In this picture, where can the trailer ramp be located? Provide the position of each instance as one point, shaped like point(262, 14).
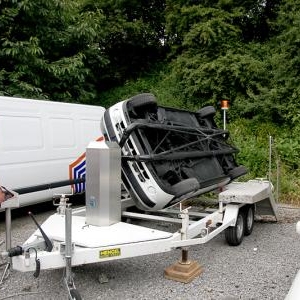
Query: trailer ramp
point(258, 192)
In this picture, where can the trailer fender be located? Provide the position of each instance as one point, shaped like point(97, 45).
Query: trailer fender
point(231, 213)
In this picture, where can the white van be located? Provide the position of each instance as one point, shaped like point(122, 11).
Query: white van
point(43, 142)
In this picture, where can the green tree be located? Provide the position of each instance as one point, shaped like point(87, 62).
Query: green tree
point(43, 45)
point(71, 50)
point(284, 53)
point(221, 52)
point(131, 39)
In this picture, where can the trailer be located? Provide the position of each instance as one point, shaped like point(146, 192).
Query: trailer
point(100, 232)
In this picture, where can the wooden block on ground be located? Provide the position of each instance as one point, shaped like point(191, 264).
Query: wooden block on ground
point(183, 272)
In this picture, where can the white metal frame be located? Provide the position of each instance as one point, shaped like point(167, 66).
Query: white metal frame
point(76, 242)
point(206, 228)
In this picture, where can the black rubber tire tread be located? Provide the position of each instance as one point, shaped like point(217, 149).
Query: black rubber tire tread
point(248, 230)
point(231, 232)
point(185, 186)
point(237, 172)
point(206, 111)
point(142, 100)
point(75, 294)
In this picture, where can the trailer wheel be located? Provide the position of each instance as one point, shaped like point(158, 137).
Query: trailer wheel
point(249, 219)
point(75, 294)
point(235, 234)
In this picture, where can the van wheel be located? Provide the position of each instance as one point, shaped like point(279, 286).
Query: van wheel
point(234, 234)
point(249, 219)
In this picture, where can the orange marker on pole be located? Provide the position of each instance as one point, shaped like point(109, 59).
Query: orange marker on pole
point(224, 107)
point(224, 104)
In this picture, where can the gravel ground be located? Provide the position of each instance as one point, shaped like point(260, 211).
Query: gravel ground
point(262, 267)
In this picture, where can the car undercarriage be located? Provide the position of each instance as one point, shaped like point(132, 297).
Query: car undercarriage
point(184, 152)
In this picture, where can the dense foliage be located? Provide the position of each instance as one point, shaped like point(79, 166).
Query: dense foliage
point(72, 50)
point(244, 51)
point(189, 53)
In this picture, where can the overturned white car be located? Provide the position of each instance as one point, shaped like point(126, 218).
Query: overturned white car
point(169, 154)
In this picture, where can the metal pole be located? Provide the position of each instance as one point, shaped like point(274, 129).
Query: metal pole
point(224, 119)
point(220, 207)
point(270, 157)
point(184, 213)
point(68, 242)
point(8, 232)
point(8, 265)
point(48, 186)
point(8, 227)
point(184, 256)
point(278, 180)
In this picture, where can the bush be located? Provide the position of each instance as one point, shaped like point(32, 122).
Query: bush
point(252, 138)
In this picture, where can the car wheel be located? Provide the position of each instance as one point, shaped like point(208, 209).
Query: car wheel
point(237, 172)
point(142, 100)
point(206, 111)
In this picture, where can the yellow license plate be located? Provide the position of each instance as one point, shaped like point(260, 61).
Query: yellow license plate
point(110, 253)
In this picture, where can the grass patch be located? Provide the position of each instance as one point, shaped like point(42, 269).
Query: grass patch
point(252, 139)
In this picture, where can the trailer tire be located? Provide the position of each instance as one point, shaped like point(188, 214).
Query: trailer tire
point(75, 294)
point(249, 219)
point(234, 234)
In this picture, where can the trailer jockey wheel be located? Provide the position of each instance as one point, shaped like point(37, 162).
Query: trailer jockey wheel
point(249, 219)
point(234, 234)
